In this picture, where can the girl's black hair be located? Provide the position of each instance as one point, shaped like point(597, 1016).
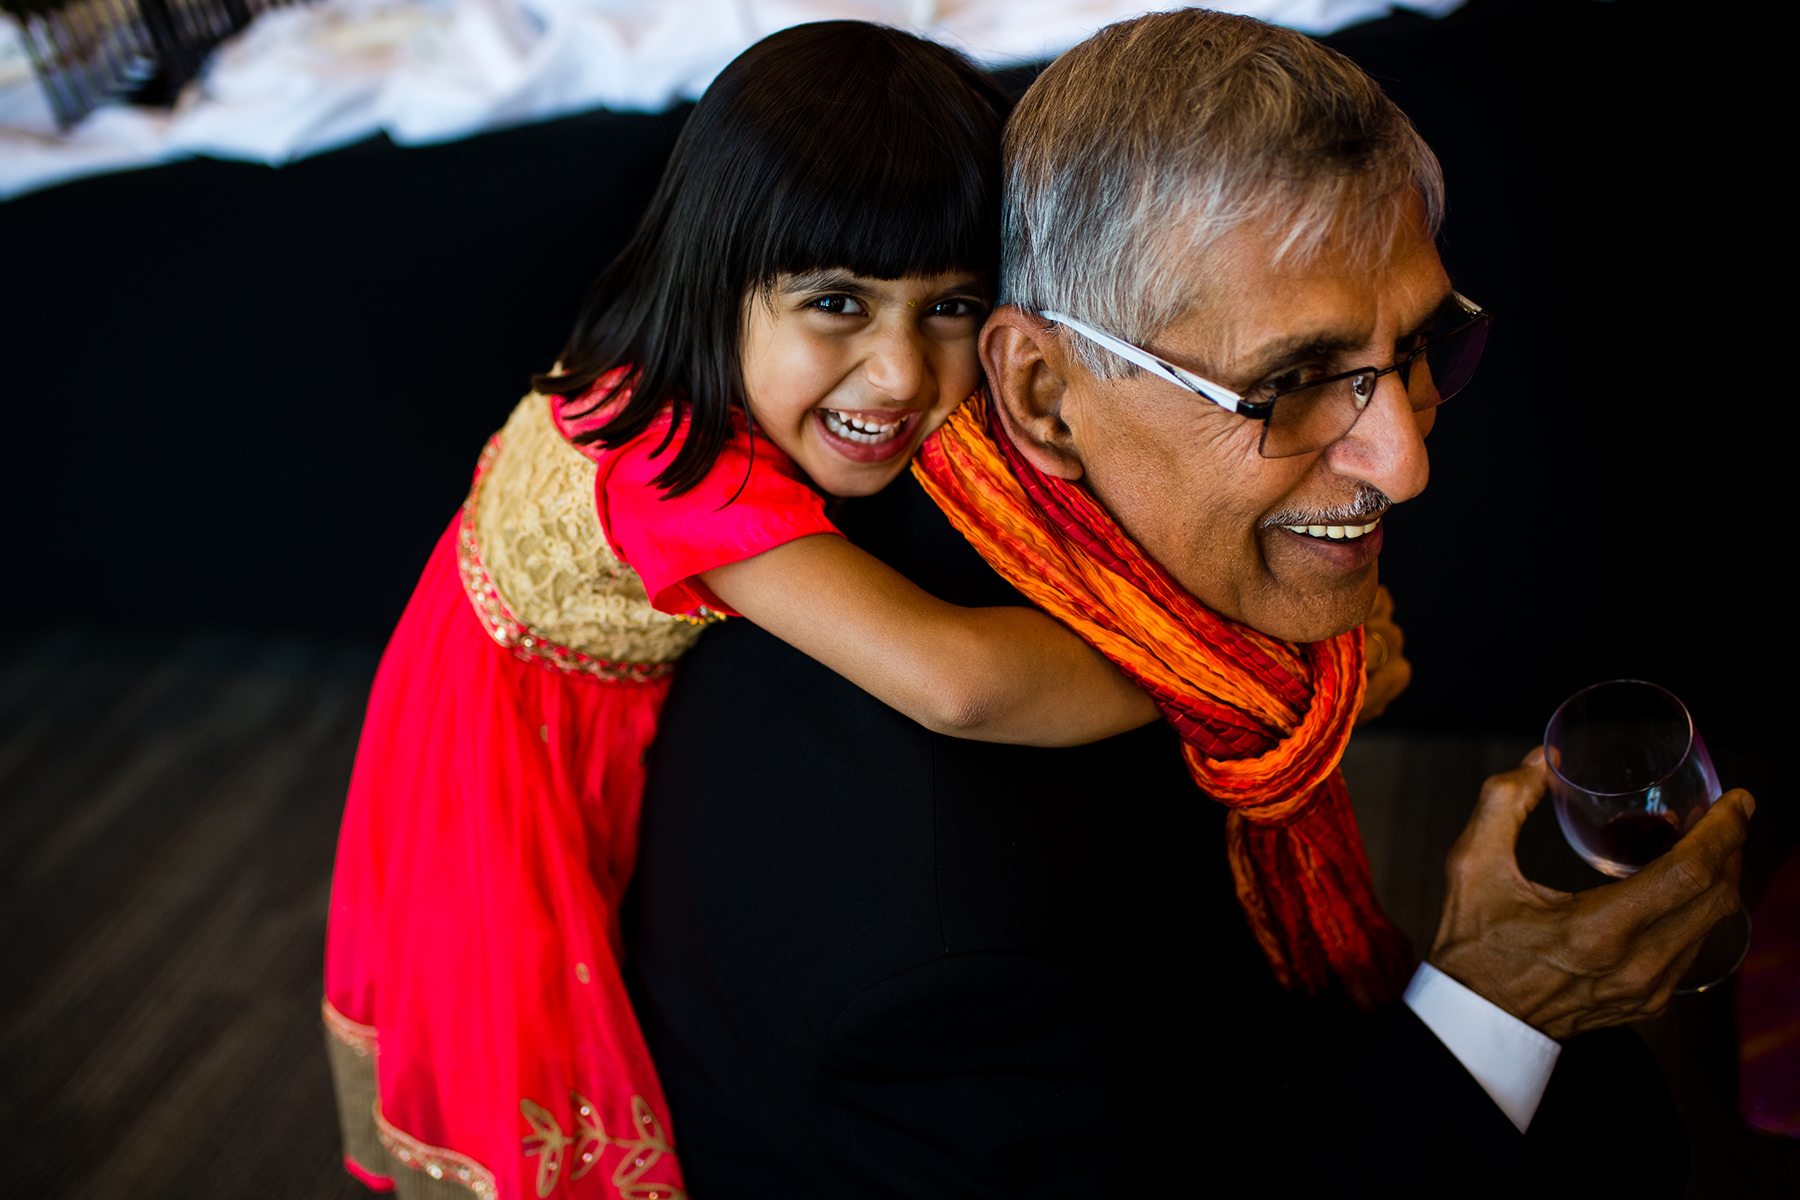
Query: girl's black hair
point(831, 145)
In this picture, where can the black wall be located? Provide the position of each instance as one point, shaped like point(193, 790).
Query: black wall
point(251, 396)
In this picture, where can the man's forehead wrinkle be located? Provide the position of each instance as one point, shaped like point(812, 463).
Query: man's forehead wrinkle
point(1241, 334)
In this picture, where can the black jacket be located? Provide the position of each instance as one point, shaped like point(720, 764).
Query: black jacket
point(873, 960)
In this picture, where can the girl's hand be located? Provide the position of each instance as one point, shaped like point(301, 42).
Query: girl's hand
point(1385, 659)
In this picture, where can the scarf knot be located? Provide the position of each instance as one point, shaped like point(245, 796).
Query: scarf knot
point(1263, 722)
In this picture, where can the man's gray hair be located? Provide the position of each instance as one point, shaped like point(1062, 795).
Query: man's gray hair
point(1141, 147)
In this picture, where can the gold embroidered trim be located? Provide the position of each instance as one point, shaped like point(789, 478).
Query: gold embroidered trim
point(506, 628)
point(547, 1139)
point(641, 1154)
point(445, 1165)
point(589, 1139)
point(360, 1038)
point(350, 1051)
point(548, 1142)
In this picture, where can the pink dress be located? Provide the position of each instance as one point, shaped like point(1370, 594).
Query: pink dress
point(480, 1035)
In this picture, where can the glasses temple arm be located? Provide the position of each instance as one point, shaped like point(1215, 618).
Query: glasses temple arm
point(1223, 396)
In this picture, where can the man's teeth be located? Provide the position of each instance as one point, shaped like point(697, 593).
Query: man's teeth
point(862, 429)
point(1337, 533)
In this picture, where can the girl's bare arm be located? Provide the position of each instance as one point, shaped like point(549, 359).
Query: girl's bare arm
point(990, 674)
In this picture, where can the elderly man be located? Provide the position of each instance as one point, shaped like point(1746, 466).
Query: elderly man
point(872, 960)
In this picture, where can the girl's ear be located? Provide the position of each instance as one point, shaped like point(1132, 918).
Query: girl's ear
point(1028, 379)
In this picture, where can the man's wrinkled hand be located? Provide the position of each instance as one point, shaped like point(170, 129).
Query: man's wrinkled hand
point(1566, 964)
point(1384, 658)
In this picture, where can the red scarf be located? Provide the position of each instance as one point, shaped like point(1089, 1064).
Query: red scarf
point(1263, 722)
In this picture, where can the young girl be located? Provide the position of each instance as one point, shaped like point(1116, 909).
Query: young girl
point(798, 310)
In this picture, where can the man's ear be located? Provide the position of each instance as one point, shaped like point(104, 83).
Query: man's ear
point(1028, 379)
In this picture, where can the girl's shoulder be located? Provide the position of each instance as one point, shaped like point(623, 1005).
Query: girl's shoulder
point(752, 499)
point(590, 410)
point(748, 457)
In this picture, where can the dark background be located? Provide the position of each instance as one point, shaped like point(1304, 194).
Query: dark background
point(250, 398)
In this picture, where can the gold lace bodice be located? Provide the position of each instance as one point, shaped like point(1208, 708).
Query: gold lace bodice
point(538, 567)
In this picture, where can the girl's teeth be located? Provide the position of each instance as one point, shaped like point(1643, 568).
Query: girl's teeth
point(859, 429)
point(1336, 533)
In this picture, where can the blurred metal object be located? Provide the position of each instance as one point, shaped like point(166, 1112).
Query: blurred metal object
point(87, 53)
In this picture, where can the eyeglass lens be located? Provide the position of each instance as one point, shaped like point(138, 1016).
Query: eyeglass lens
point(1309, 418)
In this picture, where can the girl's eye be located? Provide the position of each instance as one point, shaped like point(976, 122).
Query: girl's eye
point(843, 306)
point(959, 306)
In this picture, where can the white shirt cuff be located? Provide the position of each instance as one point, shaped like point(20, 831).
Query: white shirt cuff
point(1508, 1058)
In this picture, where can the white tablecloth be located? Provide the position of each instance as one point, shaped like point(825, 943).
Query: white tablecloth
point(306, 79)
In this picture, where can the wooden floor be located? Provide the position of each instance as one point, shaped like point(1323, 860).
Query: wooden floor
point(168, 809)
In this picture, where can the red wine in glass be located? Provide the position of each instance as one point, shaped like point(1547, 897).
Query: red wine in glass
point(1630, 775)
point(1630, 838)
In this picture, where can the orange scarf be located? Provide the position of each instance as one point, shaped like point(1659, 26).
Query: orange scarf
point(1263, 722)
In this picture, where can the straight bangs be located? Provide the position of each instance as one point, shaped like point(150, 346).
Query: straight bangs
point(917, 193)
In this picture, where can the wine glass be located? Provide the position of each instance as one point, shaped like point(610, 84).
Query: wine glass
point(1630, 775)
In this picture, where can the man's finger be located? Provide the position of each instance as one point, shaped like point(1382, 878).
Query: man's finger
point(1701, 856)
point(1506, 800)
point(1682, 893)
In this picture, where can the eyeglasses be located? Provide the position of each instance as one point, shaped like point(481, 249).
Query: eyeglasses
point(1309, 414)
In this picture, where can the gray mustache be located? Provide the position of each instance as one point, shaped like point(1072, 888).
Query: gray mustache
point(1369, 501)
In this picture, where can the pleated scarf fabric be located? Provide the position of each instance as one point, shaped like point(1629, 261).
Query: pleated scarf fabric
point(1263, 722)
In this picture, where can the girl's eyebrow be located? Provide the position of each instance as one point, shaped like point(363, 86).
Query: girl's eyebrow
point(835, 280)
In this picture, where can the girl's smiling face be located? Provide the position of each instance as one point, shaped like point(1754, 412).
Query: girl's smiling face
point(847, 374)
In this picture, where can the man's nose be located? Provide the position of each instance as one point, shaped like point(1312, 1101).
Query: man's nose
point(1386, 446)
point(896, 366)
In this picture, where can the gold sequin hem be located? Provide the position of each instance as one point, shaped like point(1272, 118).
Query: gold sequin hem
point(435, 1161)
point(360, 1038)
